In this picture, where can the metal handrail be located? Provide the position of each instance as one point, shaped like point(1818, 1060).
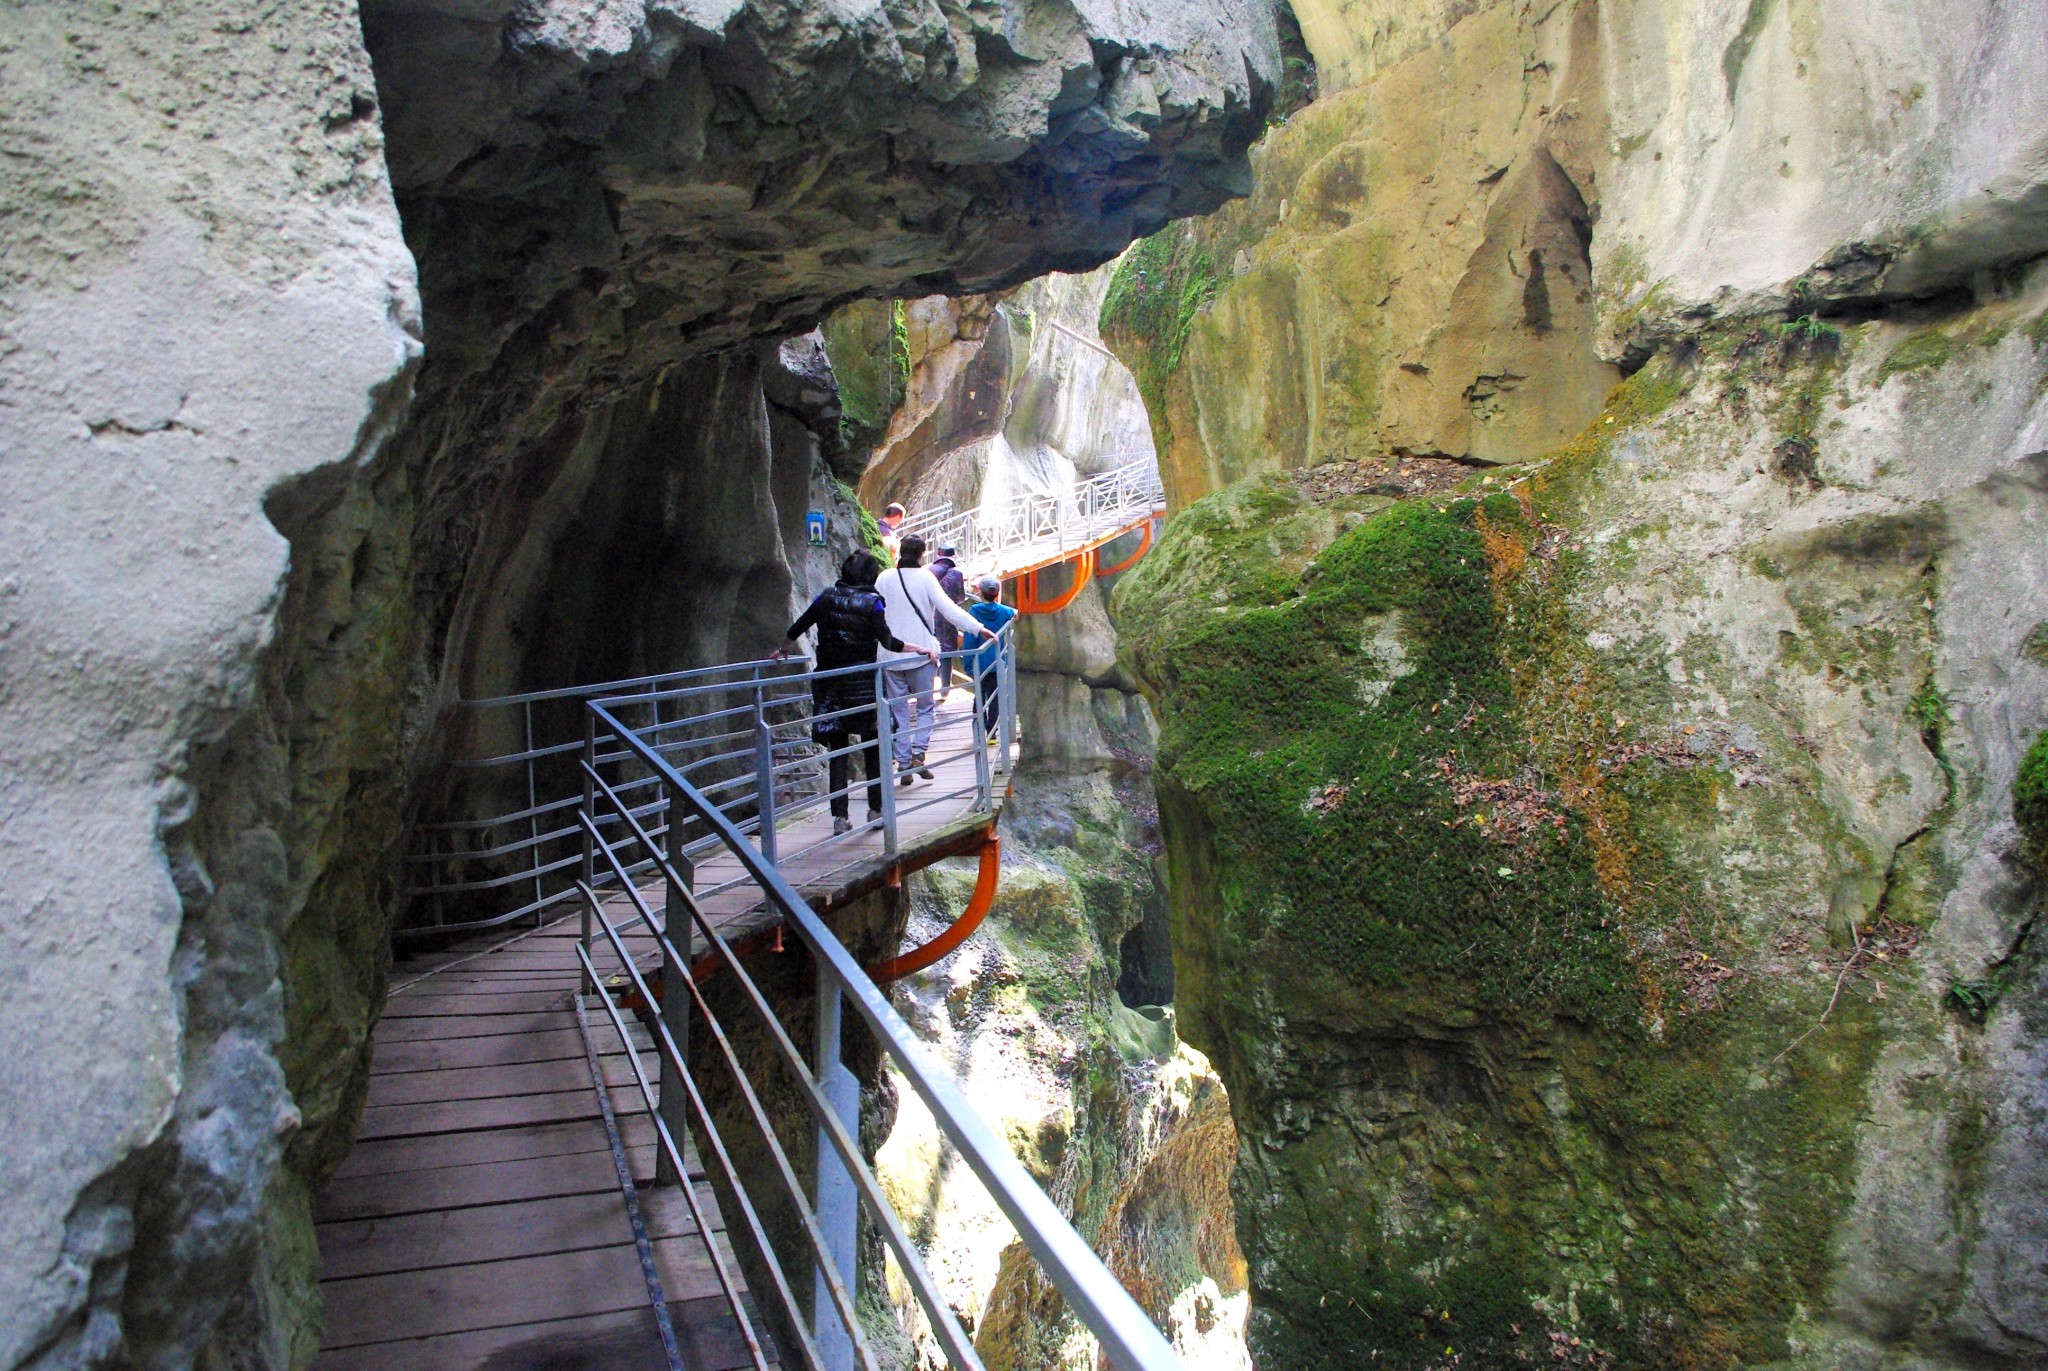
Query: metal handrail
point(1091, 1291)
point(734, 730)
point(1072, 516)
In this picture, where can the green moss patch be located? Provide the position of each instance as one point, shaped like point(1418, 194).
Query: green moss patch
point(1158, 287)
point(1923, 351)
point(1434, 923)
point(2030, 796)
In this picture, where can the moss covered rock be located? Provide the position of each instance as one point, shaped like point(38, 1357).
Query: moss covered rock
point(1556, 864)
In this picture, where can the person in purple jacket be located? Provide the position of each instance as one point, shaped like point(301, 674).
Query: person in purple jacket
point(954, 583)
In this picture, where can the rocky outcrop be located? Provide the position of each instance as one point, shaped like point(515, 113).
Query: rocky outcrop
point(1003, 395)
point(208, 311)
point(247, 572)
point(1396, 283)
point(1595, 878)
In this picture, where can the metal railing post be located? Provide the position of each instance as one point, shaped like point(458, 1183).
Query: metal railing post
point(984, 784)
point(836, 1202)
point(589, 840)
point(673, 1099)
point(1006, 696)
point(533, 820)
point(439, 875)
point(885, 739)
point(764, 776)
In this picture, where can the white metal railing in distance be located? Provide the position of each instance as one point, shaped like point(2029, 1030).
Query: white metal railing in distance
point(1045, 523)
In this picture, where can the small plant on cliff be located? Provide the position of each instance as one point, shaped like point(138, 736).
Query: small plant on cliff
point(899, 344)
point(1813, 332)
point(1160, 284)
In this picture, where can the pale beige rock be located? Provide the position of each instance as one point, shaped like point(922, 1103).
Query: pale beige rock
point(1885, 149)
point(206, 299)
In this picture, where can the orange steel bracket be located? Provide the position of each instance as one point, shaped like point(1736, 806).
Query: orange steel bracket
point(918, 958)
point(1144, 546)
point(1027, 589)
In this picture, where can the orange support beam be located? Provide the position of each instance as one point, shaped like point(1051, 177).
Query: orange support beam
point(978, 904)
point(1144, 546)
point(1028, 601)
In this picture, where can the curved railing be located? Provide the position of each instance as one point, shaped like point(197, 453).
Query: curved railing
point(740, 732)
point(824, 1332)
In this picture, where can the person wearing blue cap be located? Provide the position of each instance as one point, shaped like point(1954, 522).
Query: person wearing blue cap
point(992, 614)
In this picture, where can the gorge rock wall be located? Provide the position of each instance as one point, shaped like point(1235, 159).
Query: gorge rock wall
point(208, 311)
point(257, 545)
point(1589, 806)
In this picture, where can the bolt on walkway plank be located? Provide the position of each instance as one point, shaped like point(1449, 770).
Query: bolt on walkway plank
point(480, 1221)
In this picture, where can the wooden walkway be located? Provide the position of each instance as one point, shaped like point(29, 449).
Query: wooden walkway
point(480, 1224)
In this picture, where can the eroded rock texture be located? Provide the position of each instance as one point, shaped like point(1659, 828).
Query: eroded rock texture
point(1597, 880)
point(212, 325)
point(206, 305)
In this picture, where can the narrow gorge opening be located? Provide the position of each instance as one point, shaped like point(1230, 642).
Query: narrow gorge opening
point(1520, 842)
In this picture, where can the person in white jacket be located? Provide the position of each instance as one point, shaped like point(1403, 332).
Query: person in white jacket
point(916, 604)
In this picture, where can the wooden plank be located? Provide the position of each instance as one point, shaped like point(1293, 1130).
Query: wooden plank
point(456, 1299)
point(475, 1054)
point(623, 1341)
point(502, 1049)
point(460, 1116)
point(666, 1213)
point(479, 1233)
point(494, 1232)
point(558, 957)
point(464, 984)
point(412, 1006)
point(468, 1083)
point(381, 1158)
point(476, 1183)
point(709, 1335)
point(477, 1026)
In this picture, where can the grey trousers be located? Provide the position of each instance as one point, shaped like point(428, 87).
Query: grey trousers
point(902, 684)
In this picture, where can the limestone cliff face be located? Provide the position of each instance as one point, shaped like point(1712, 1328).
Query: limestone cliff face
point(244, 570)
point(1596, 879)
point(208, 310)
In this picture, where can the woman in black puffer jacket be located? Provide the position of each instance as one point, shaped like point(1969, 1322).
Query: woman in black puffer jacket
point(851, 625)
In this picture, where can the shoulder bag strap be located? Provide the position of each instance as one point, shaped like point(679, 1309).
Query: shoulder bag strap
point(915, 607)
